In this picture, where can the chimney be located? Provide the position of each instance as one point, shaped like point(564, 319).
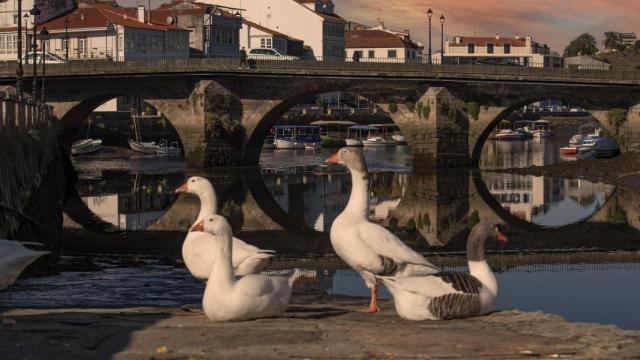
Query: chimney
point(141, 13)
point(457, 40)
point(497, 36)
point(517, 36)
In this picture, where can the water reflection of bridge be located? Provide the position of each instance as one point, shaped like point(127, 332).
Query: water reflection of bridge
point(435, 208)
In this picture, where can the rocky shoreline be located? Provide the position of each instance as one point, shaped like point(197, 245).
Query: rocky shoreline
point(623, 170)
point(316, 326)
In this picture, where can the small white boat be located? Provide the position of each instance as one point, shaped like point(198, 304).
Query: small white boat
point(168, 149)
point(353, 142)
point(269, 143)
point(588, 143)
point(508, 134)
point(285, 144)
point(541, 129)
point(313, 146)
point(143, 147)
point(377, 141)
point(399, 139)
point(575, 140)
point(86, 146)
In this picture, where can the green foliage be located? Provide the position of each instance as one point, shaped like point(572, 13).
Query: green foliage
point(426, 110)
point(473, 219)
point(222, 122)
point(330, 142)
point(617, 116)
point(473, 109)
point(411, 225)
point(636, 47)
point(453, 113)
point(393, 223)
point(419, 107)
point(34, 134)
point(617, 215)
point(612, 41)
point(426, 220)
point(411, 106)
point(393, 108)
point(419, 223)
point(584, 44)
point(443, 108)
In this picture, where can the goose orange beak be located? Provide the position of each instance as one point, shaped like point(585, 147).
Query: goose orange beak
point(333, 159)
point(182, 188)
point(500, 236)
point(197, 227)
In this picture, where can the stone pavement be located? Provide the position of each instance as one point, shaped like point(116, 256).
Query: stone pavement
point(315, 327)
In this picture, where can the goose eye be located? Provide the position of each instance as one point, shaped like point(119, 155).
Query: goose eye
point(193, 180)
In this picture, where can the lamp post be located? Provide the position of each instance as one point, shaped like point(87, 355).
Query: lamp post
point(442, 39)
point(66, 38)
point(35, 12)
point(26, 35)
point(44, 39)
point(429, 15)
point(19, 70)
point(106, 39)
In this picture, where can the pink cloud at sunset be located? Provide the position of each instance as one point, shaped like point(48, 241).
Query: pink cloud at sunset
point(548, 21)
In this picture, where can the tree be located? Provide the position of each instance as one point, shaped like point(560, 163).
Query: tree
point(636, 47)
point(584, 44)
point(612, 41)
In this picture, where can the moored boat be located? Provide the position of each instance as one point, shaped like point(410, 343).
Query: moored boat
point(377, 141)
point(541, 129)
point(168, 149)
point(86, 146)
point(508, 134)
point(606, 148)
point(296, 136)
point(143, 147)
point(353, 142)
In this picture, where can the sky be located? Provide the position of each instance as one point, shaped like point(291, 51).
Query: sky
point(552, 22)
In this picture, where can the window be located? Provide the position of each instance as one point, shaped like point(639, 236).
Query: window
point(372, 54)
point(217, 36)
point(489, 48)
point(471, 48)
point(192, 36)
point(82, 47)
point(392, 53)
point(265, 42)
point(227, 36)
point(15, 19)
point(507, 48)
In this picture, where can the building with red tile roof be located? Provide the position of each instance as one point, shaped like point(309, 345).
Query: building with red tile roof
point(254, 35)
point(379, 45)
point(105, 30)
point(488, 49)
point(315, 23)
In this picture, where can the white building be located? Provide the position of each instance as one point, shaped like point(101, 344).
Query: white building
point(585, 62)
point(253, 35)
point(104, 30)
point(521, 50)
point(312, 21)
point(379, 45)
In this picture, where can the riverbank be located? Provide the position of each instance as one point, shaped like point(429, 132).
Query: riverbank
point(623, 170)
point(315, 326)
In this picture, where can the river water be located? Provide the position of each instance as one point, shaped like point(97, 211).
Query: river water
point(574, 245)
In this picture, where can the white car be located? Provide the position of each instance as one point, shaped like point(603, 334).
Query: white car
point(269, 54)
point(49, 58)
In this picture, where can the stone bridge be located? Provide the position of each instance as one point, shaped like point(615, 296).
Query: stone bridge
point(223, 114)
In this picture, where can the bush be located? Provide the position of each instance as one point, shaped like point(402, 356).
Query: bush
point(473, 219)
point(473, 109)
point(393, 108)
point(617, 116)
point(443, 108)
point(453, 113)
point(426, 111)
point(411, 106)
point(418, 108)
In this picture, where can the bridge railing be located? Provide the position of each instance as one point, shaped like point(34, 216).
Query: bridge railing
point(19, 115)
point(372, 67)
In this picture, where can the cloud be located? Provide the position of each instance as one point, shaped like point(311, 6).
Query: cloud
point(548, 21)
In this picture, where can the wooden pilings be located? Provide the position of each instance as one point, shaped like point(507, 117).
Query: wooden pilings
point(19, 116)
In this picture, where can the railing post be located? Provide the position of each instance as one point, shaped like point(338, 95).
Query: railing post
point(2, 116)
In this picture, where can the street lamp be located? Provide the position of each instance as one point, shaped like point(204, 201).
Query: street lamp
point(106, 39)
point(19, 70)
point(26, 35)
point(442, 38)
point(44, 39)
point(429, 15)
point(35, 12)
point(66, 38)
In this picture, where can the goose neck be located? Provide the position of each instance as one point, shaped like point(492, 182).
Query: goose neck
point(359, 199)
point(208, 204)
point(222, 271)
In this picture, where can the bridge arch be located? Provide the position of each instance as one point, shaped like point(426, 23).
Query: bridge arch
point(72, 115)
point(598, 112)
point(257, 135)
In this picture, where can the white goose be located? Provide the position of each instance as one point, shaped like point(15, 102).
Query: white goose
point(14, 258)
point(450, 295)
point(368, 248)
point(249, 297)
point(198, 249)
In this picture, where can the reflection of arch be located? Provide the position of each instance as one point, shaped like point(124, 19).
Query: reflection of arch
point(73, 118)
point(512, 220)
point(256, 139)
point(488, 128)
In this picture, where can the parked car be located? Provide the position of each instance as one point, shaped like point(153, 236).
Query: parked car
point(269, 54)
point(497, 61)
point(49, 58)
